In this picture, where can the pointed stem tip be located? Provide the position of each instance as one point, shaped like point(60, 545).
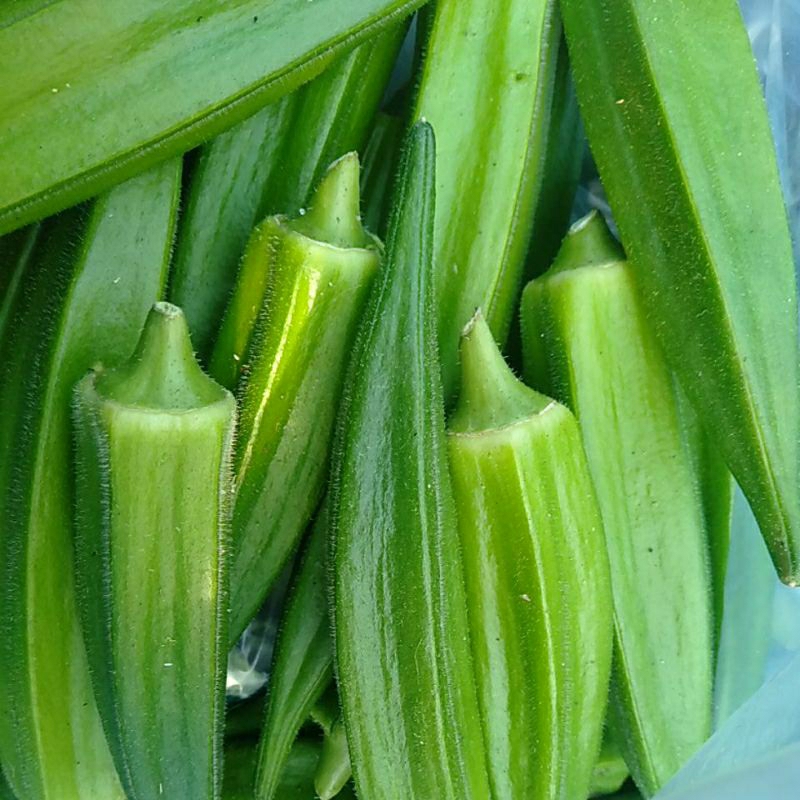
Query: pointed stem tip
point(163, 372)
point(334, 216)
point(491, 395)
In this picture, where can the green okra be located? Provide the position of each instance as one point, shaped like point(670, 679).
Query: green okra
point(315, 270)
point(153, 499)
point(303, 665)
point(377, 170)
point(562, 170)
point(404, 665)
point(486, 86)
point(92, 274)
point(268, 165)
point(587, 340)
point(221, 205)
point(697, 199)
point(82, 120)
point(16, 250)
point(537, 578)
point(296, 781)
point(610, 770)
point(334, 769)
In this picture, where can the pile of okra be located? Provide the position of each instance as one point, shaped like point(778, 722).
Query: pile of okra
point(294, 309)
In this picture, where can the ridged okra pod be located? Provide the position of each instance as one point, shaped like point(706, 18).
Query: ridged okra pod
point(224, 63)
point(316, 270)
point(696, 196)
point(537, 578)
point(153, 490)
point(303, 665)
point(486, 87)
point(587, 340)
point(268, 165)
point(404, 663)
point(92, 274)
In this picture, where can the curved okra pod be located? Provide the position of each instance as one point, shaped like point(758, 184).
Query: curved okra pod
point(303, 664)
point(92, 269)
point(697, 198)
point(586, 339)
point(537, 578)
point(404, 664)
point(224, 64)
point(319, 267)
point(268, 165)
point(154, 443)
point(486, 87)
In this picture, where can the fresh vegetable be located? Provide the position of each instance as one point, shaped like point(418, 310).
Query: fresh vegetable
point(16, 250)
point(486, 87)
point(92, 275)
point(684, 150)
point(403, 657)
point(587, 340)
point(377, 170)
point(297, 780)
point(103, 88)
point(537, 580)
point(303, 664)
point(268, 165)
point(334, 769)
point(154, 442)
point(610, 771)
point(217, 221)
point(316, 270)
point(561, 171)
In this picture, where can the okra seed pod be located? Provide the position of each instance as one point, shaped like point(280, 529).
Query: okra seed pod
point(537, 580)
point(154, 445)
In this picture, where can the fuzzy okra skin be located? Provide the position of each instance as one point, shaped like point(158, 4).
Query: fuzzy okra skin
point(153, 496)
point(319, 267)
point(587, 340)
point(486, 86)
point(79, 122)
point(92, 276)
point(269, 165)
point(303, 663)
point(696, 195)
point(537, 578)
point(403, 657)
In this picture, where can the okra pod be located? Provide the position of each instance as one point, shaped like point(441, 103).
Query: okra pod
point(268, 165)
point(303, 664)
point(221, 206)
point(110, 128)
point(318, 270)
point(587, 340)
point(92, 275)
point(334, 769)
point(537, 578)
point(404, 664)
point(154, 484)
point(16, 250)
point(377, 170)
point(697, 199)
point(486, 87)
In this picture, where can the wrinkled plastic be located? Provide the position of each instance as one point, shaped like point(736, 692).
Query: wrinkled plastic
point(755, 752)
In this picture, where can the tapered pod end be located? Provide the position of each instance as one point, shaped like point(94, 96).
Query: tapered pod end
point(163, 372)
point(588, 243)
point(491, 395)
point(334, 215)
